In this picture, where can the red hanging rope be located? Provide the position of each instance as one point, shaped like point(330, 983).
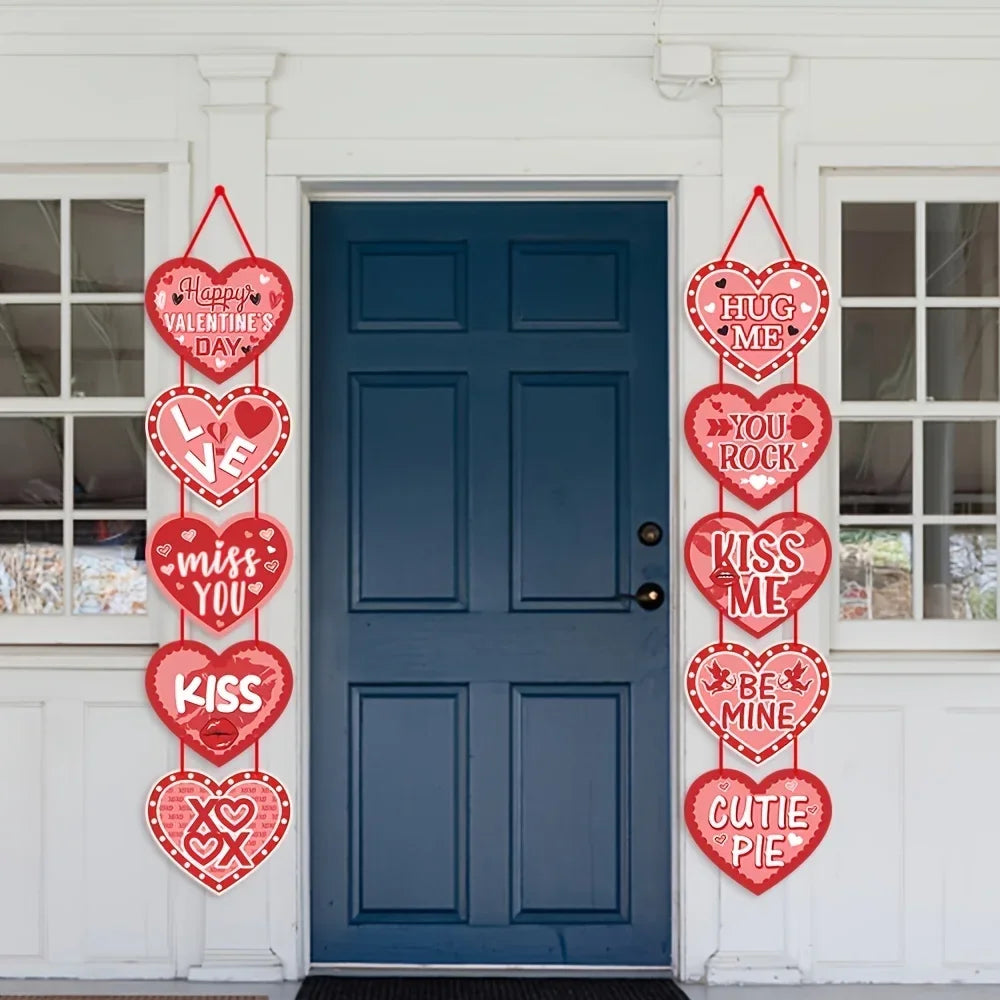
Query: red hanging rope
point(220, 192)
point(256, 755)
point(795, 753)
point(758, 192)
point(721, 760)
point(181, 766)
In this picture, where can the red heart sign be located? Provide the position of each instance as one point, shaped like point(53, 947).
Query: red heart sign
point(757, 448)
point(218, 703)
point(757, 321)
point(218, 448)
point(758, 576)
point(758, 833)
point(218, 321)
point(757, 702)
point(219, 574)
point(218, 833)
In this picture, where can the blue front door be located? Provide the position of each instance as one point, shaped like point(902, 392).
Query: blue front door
point(488, 708)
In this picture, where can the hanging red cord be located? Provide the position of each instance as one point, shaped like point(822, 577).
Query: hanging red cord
point(181, 766)
point(220, 192)
point(758, 192)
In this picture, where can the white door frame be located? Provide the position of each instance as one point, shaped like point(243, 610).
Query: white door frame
point(287, 364)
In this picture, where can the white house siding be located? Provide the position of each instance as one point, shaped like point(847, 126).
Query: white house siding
point(489, 97)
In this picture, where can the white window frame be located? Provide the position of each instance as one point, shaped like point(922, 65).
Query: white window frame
point(153, 187)
point(913, 634)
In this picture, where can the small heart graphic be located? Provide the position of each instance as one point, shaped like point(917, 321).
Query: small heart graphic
point(800, 427)
point(806, 307)
point(723, 785)
point(188, 535)
point(263, 278)
point(267, 534)
point(794, 331)
point(272, 565)
point(275, 298)
point(710, 308)
point(723, 330)
point(271, 549)
point(220, 363)
point(179, 585)
point(794, 840)
point(220, 622)
point(721, 283)
point(163, 550)
point(758, 481)
point(160, 299)
point(168, 280)
point(256, 588)
point(177, 298)
point(795, 284)
point(812, 810)
point(720, 838)
point(166, 570)
point(791, 785)
point(255, 298)
point(246, 350)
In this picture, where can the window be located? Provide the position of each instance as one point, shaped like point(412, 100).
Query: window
point(73, 386)
point(918, 276)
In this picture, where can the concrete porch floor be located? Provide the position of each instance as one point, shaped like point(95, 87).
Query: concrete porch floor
point(287, 991)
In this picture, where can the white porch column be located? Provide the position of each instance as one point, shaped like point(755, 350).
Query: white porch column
point(237, 944)
point(758, 939)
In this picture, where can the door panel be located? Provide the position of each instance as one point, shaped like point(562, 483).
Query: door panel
point(489, 751)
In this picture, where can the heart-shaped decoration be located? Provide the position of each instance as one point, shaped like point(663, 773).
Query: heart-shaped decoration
point(215, 565)
point(218, 321)
point(758, 833)
point(757, 447)
point(218, 833)
point(758, 576)
point(757, 322)
point(757, 702)
point(218, 448)
point(218, 703)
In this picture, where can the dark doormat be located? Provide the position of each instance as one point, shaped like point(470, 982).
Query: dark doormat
point(493, 988)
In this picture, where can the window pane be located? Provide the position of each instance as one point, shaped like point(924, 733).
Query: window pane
point(879, 354)
point(878, 248)
point(962, 354)
point(960, 572)
point(29, 246)
point(107, 350)
point(31, 567)
point(29, 350)
point(962, 249)
point(109, 462)
point(107, 246)
point(31, 461)
point(109, 569)
point(876, 467)
point(876, 573)
point(960, 467)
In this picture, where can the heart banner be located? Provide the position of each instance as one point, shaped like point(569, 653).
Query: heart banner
point(758, 576)
point(757, 447)
point(219, 574)
point(758, 833)
point(219, 448)
point(218, 321)
point(218, 833)
point(218, 703)
point(757, 322)
point(757, 702)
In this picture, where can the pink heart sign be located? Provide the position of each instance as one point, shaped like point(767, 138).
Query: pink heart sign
point(757, 322)
point(758, 833)
point(218, 448)
point(757, 447)
point(757, 702)
point(218, 321)
point(218, 833)
point(218, 703)
point(758, 576)
point(219, 574)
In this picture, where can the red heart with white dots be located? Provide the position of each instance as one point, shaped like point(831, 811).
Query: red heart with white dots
point(757, 321)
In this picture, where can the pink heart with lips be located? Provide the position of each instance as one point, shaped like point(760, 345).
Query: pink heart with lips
point(757, 322)
point(218, 448)
point(218, 703)
point(758, 576)
point(757, 833)
point(218, 833)
point(757, 702)
point(218, 321)
point(757, 447)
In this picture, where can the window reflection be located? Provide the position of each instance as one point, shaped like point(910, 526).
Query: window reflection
point(876, 467)
point(876, 573)
point(960, 572)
